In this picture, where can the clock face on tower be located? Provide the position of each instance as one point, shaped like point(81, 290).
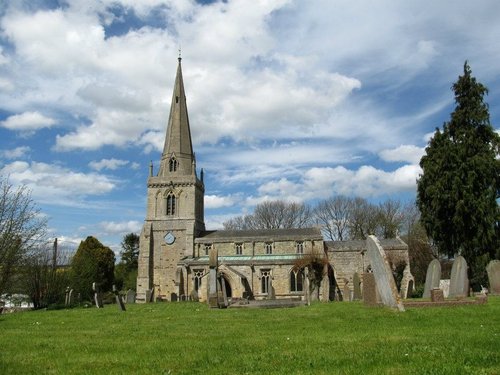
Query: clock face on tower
point(169, 238)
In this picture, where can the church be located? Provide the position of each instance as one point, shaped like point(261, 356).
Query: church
point(254, 264)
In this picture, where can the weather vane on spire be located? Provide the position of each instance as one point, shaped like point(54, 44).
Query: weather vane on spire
point(180, 58)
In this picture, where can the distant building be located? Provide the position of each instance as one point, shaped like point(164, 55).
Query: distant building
point(175, 246)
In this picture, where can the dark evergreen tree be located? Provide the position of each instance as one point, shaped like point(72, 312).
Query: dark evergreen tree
point(92, 262)
point(130, 253)
point(460, 183)
point(126, 270)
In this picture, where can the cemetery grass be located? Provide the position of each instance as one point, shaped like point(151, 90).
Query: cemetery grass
point(189, 338)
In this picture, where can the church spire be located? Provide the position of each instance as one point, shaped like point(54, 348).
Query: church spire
point(178, 139)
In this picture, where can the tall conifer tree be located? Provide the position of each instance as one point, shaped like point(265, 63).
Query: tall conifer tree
point(460, 184)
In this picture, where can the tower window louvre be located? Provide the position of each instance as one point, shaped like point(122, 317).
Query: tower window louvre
point(170, 204)
point(172, 164)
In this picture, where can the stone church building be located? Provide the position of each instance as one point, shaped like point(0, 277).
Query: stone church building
point(259, 264)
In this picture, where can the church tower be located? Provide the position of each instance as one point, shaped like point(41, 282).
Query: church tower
point(174, 212)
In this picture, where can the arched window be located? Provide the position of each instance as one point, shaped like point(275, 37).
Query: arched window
point(297, 280)
point(265, 281)
point(172, 164)
point(170, 204)
point(197, 278)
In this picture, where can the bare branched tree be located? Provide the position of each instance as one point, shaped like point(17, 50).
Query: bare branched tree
point(390, 213)
point(363, 219)
point(21, 230)
point(333, 215)
point(273, 215)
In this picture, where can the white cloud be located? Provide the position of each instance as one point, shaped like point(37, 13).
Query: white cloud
point(405, 153)
point(51, 183)
point(111, 164)
point(321, 183)
point(16, 153)
point(27, 121)
point(113, 227)
point(217, 201)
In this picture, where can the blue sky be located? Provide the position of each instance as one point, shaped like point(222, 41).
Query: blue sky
point(287, 99)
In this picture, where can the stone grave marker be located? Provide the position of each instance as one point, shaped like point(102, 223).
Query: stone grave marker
point(437, 295)
point(149, 295)
point(97, 296)
point(444, 285)
point(384, 280)
point(369, 290)
point(224, 302)
point(432, 277)
point(459, 282)
point(193, 296)
point(212, 279)
point(70, 297)
point(118, 298)
point(357, 287)
point(66, 297)
point(347, 291)
point(130, 296)
point(493, 269)
point(173, 297)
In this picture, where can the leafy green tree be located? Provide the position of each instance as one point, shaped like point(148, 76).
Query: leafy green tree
point(460, 183)
point(126, 269)
point(92, 262)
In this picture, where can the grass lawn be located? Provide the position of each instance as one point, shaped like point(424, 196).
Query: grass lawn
point(188, 338)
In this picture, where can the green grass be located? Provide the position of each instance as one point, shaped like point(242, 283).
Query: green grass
point(188, 338)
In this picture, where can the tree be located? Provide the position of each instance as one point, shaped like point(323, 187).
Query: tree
point(363, 219)
point(460, 181)
point(273, 215)
point(126, 269)
point(334, 214)
point(44, 282)
point(390, 218)
point(92, 262)
point(21, 229)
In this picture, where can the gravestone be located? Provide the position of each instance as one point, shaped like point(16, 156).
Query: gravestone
point(325, 285)
point(307, 288)
point(437, 295)
point(194, 296)
point(432, 277)
point(384, 280)
point(459, 282)
point(347, 291)
point(130, 297)
point(224, 302)
point(369, 289)
point(70, 297)
point(444, 285)
point(66, 297)
point(118, 299)
point(173, 297)
point(149, 295)
point(493, 269)
point(212, 279)
point(97, 296)
point(357, 287)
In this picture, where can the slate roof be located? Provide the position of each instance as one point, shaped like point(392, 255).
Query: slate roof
point(357, 245)
point(260, 235)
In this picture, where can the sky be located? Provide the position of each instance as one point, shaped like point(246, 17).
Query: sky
point(293, 100)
